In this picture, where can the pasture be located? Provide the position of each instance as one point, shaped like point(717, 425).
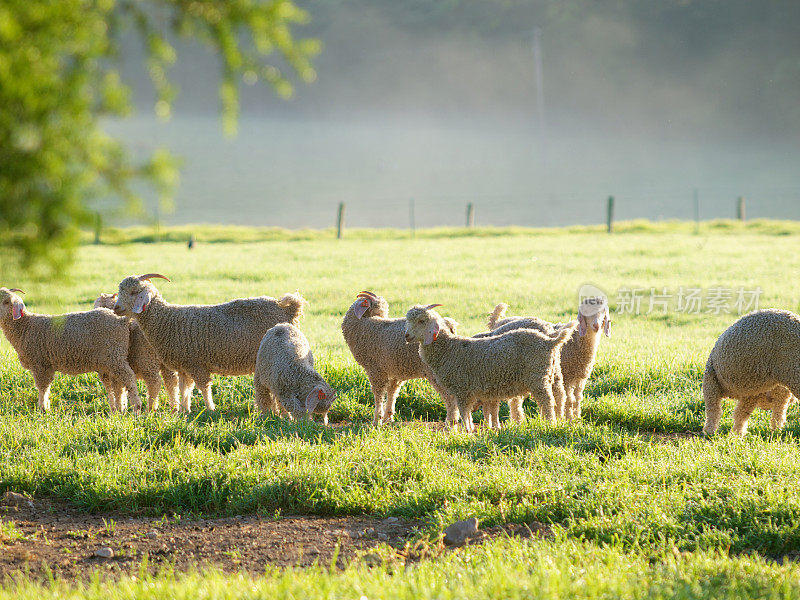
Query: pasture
point(635, 503)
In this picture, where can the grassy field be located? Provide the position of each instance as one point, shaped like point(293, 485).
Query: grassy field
point(640, 509)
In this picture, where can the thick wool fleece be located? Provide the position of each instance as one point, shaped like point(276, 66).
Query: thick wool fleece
point(378, 344)
point(285, 374)
point(73, 343)
point(489, 369)
point(754, 361)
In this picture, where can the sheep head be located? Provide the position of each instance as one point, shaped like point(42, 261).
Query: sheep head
point(320, 399)
point(368, 304)
point(424, 325)
point(105, 301)
point(593, 312)
point(11, 304)
point(135, 294)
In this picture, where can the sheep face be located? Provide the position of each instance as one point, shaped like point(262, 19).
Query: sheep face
point(423, 325)
point(105, 301)
point(369, 305)
point(320, 399)
point(593, 312)
point(11, 304)
point(135, 294)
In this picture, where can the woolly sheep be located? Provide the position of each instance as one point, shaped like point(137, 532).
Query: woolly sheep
point(285, 380)
point(378, 345)
point(198, 340)
point(144, 361)
point(488, 369)
point(755, 362)
point(73, 343)
point(578, 354)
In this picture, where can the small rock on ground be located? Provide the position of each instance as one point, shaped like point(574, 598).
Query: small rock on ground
point(459, 532)
point(14, 499)
point(104, 552)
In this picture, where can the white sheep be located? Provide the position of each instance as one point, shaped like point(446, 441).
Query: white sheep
point(754, 361)
point(73, 343)
point(144, 361)
point(578, 354)
point(490, 369)
point(285, 380)
point(198, 340)
point(378, 345)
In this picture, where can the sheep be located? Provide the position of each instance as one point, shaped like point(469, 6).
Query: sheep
point(488, 369)
point(378, 345)
point(143, 359)
point(73, 343)
point(198, 340)
point(285, 380)
point(755, 362)
point(578, 354)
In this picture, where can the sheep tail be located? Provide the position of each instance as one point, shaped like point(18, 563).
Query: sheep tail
point(293, 305)
point(560, 337)
point(712, 396)
point(498, 313)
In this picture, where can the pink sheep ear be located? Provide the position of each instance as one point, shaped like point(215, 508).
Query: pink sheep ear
point(581, 325)
point(17, 309)
point(432, 333)
point(141, 302)
point(361, 306)
point(607, 326)
point(314, 398)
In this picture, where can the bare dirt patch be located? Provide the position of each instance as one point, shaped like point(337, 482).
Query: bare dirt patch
point(63, 540)
point(60, 540)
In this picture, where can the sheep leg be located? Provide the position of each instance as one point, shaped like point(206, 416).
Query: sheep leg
point(43, 379)
point(186, 385)
point(543, 394)
point(378, 391)
point(266, 401)
point(465, 410)
point(741, 414)
point(153, 384)
point(124, 374)
point(171, 387)
point(577, 398)
point(450, 404)
point(559, 393)
point(515, 409)
point(712, 396)
point(391, 397)
point(203, 381)
point(778, 399)
point(111, 390)
point(494, 413)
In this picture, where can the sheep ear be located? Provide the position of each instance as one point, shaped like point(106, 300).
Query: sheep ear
point(607, 326)
point(361, 306)
point(314, 398)
point(581, 325)
point(17, 309)
point(432, 333)
point(141, 302)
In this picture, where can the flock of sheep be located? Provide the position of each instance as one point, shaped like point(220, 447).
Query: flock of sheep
point(136, 333)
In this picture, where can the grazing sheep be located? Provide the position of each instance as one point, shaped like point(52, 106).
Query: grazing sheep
point(144, 361)
point(285, 379)
point(578, 354)
point(755, 361)
point(74, 343)
point(378, 345)
point(488, 369)
point(198, 340)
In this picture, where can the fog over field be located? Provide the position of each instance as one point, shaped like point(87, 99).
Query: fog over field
point(437, 103)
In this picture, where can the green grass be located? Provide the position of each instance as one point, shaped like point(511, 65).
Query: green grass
point(621, 500)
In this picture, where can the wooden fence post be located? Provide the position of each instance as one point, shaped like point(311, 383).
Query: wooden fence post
point(470, 215)
point(740, 212)
point(610, 214)
point(696, 211)
point(98, 227)
point(340, 221)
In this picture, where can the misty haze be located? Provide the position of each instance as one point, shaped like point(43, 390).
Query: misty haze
point(648, 104)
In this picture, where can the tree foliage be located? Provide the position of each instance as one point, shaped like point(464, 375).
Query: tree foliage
point(60, 76)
